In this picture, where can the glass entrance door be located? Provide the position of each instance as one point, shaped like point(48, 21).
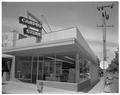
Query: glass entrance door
point(23, 68)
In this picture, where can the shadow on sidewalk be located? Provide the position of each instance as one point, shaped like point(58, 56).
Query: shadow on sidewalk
point(4, 83)
point(5, 93)
point(86, 90)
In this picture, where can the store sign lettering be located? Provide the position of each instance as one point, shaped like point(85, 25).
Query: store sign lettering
point(29, 22)
point(32, 32)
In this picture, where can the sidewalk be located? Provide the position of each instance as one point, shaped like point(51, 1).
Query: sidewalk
point(13, 87)
point(98, 88)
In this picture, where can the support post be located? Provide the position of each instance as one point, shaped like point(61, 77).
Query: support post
point(37, 67)
point(77, 69)
point(12, 72)
point(31, 68)
point(43, 64)
point(55, 66)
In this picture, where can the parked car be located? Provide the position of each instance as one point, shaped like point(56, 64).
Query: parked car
point(109, 77)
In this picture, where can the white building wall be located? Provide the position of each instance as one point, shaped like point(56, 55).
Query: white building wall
point(25, 41)
point(7, 40)
point(53, 36)
point(65, 34)
point(85, 45)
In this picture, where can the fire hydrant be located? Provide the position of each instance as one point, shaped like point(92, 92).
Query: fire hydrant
point(40, 87)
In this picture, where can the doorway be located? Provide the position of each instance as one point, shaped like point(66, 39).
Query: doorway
point(6, 68)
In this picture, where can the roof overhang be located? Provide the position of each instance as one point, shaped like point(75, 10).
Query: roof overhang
point(66, 45)
point(54, 47)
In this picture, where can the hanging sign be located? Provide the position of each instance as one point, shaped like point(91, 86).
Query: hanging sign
point(29, 22)
point(32, 32)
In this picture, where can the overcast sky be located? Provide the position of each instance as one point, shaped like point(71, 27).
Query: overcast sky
point(62, 15)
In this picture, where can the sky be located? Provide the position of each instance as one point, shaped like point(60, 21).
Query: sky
point(61, 15)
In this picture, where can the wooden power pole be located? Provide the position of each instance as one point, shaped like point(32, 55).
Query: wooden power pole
point(105, 17)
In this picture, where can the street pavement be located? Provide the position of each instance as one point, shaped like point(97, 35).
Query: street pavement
point(13, 87)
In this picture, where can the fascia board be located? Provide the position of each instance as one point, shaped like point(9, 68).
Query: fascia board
point(41, 45)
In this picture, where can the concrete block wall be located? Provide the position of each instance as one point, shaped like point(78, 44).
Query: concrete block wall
point(93, 73)
point(84, 84)
point(60, 85)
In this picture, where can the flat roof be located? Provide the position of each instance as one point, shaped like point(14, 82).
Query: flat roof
point(56, 46)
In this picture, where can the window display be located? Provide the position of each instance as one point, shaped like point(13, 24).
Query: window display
point(48, 68)
point(23, 68)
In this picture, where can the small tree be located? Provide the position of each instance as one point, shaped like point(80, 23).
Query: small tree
point(114, 66)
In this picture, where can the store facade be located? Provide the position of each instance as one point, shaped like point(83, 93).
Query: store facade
point(61, 59)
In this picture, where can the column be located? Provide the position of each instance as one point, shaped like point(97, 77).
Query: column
point(31, 67)
point(43, 64)
point(77, 69)
point(12, 72)
point(55, 67)
point(37, 68)
point(83, 68)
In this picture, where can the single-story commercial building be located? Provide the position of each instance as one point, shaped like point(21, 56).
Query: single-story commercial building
point(61, 59)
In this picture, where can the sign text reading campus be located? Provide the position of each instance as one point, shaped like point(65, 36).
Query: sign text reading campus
point(31, 32)
point(29, 22)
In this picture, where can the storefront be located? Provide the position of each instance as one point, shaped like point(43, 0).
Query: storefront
point(62, 59)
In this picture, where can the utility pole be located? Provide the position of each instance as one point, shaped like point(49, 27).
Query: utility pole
point(105, 17)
